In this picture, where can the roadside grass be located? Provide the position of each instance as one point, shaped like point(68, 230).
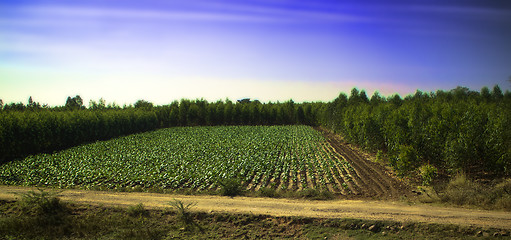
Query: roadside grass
point(137, 211)
point(28, 219)
point(137, 222)
point(307, 193)
point(461, 191)
point(233, 188)
point(41, 203)
point(184, 214)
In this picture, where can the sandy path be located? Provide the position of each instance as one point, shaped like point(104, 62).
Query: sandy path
point(359, 209)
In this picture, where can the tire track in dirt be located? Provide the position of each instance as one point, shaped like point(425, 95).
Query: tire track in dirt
point(378, 183)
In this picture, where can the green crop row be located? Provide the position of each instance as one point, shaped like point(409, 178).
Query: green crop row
point(185, 158)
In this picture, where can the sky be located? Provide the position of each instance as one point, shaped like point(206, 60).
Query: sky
point(270, 50)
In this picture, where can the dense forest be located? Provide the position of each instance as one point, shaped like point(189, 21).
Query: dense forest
point(456, 130)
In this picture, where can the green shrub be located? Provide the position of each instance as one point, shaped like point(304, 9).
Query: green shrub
point(184, 214)
point(502, 193)
point(379, 156)
point(462, 191)
point(428, 174)
point(230, 187)
point(405, 160)
point(138, 211)
point(41, 203)
point(316, 194)
point(268, 192)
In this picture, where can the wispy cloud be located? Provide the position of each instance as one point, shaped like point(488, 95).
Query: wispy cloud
point(209, 11)
point(97, 13)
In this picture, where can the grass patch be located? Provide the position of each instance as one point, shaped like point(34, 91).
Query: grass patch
point(90, 222)
point(315, 194)
point(137, 211)
point(230, 187)
point(268, 192)
point(306, 193)
point(462, 191)
point(41, 203)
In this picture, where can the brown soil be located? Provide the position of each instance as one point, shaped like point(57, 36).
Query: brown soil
point(358, 209)
point(372, 179)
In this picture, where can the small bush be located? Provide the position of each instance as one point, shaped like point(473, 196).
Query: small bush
point(268, 192)
point(428, 174)
point(316, 194)
point(138, 211)
point(41, 203)
point(504, 203)
point(230, 187)
point(379, 157)
point(183, 210)
point(184, 215)
point(405, 160)
point(502, 194)
point(462, 191)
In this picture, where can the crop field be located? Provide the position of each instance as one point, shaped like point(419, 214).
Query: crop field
point(196, 158)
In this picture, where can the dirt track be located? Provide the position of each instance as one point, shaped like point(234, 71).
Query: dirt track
point(360, 209)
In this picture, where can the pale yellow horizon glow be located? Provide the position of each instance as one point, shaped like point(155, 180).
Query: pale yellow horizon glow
point(53, 88)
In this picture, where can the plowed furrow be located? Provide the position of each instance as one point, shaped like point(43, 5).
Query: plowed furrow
point(371, 177)
point(363, 172)
point(367, 181)
point(387, 182)
point(355, 184)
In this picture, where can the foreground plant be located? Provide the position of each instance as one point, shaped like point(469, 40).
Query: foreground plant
point(184, 214)
point(41, 203)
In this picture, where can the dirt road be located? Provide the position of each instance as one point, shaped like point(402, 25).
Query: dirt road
point(359, 209)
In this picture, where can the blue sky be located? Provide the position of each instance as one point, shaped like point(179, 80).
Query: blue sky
point(162, 51)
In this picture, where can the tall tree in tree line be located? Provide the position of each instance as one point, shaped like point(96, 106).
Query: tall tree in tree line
point(144, 105)
point(74, 103)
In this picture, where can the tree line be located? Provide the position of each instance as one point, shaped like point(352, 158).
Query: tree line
point(456, 130)
point(35, 128)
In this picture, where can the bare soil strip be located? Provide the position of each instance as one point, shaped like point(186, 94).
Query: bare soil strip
point(358, 209)
point(375, 179)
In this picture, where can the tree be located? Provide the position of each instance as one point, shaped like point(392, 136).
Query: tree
point(33, 105)
point(1, 104)
point(363, 96)
point(300, 115)
point(396, 100)
point(142, 104)
point(174, 114)
point(101, 104)
point(74, 103)
point(184, 105)
point(485, 93)
point(497, 93)
point(376, 98)
point(354, 96)
point(14, 107)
